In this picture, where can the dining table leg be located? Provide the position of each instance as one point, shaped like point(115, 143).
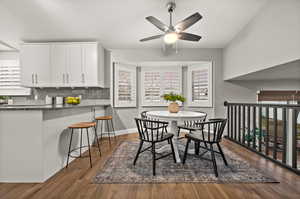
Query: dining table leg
point(174, 129)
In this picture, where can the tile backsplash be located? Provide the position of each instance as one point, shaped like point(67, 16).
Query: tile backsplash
point(86, 93)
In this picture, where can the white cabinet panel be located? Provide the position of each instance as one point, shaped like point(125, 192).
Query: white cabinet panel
point(35, 65)
point(74, 65)
point(90, 65)
point(26, 66)
point(58, 64)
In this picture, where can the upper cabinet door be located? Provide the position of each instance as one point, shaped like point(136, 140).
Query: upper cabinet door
point(74, 65)
point(35, 65)
point(90, 64)
point(59, 64)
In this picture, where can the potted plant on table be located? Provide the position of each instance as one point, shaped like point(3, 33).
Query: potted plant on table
point(3, 99)
point(173, 98)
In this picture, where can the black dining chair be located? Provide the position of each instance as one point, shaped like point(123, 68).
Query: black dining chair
point(153, 132)
point(192, 125)
point(210, 133)
point(145, 116)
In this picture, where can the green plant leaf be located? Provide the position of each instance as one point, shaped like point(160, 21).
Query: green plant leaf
point(173, 97)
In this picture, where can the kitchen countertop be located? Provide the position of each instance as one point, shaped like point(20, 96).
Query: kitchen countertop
point(84, 103)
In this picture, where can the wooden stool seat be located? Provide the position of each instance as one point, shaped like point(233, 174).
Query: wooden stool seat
point(107, 117)
point(82, 125)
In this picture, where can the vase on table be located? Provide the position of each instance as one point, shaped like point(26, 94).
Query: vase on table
point(173, 107)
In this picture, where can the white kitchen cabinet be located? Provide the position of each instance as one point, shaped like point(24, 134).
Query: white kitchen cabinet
point(69, 64)
point(35, 65)
point(58, 65)
point(74, 65)
point(90, 64)
point(66, 65)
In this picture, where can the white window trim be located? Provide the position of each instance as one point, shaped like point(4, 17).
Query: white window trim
point(132, 70)
point(165, 67)
point(205, 103)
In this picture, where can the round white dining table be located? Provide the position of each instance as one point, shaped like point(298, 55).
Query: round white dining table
point(174, 119)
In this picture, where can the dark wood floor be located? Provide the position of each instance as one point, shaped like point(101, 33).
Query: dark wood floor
point(75, 182)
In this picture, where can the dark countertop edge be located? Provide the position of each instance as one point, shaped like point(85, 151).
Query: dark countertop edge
point(50, 107)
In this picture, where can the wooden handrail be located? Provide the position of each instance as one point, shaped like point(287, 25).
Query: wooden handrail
point(263, 105)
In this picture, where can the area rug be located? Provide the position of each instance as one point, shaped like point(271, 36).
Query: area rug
point(119, 169)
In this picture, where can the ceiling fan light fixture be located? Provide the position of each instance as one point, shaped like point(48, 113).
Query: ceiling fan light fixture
point(172, 33)
point(170, 38)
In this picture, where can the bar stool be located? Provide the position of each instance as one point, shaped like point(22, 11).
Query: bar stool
point(81, 126)
point(108, 119)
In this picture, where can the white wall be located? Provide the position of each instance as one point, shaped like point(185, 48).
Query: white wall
point(271, 38)
point(124, 116)
point(232, 91)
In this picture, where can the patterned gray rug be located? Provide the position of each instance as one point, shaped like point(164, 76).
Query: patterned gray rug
point(119, 169)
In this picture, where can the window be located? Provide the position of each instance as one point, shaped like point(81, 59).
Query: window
point(156, 81)
point(10, 79)
point(124, 85)
point(199, 77)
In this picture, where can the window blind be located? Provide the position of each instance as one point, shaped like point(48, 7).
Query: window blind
point(124, 85)
point(10, 78)
point(156, 81)
point(200, 84)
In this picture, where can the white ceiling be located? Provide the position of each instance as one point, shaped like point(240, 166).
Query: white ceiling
point(121, 23)
point(5, 47)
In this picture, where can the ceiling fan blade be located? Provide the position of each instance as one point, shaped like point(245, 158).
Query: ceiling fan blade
point(150, 38)
point(157, 23)
point(188, 22)
point(188, 36)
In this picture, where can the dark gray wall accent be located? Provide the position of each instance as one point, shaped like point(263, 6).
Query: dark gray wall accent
point(87, 93)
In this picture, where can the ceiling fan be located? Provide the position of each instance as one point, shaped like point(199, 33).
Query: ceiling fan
point(174, 33)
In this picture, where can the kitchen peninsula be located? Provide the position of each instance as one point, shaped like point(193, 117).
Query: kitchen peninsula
point(34, 139)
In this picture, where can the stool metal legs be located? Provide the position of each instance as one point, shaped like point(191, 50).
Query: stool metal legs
point(113, 129)
point(108, 132)
point(80, 142)
point(109, 127)
point(70, 148)
point(97, 140)
point(88, 140)
point(80, 148)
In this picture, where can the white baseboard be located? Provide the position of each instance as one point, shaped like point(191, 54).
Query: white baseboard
point(121, 132)
point(126, 131)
